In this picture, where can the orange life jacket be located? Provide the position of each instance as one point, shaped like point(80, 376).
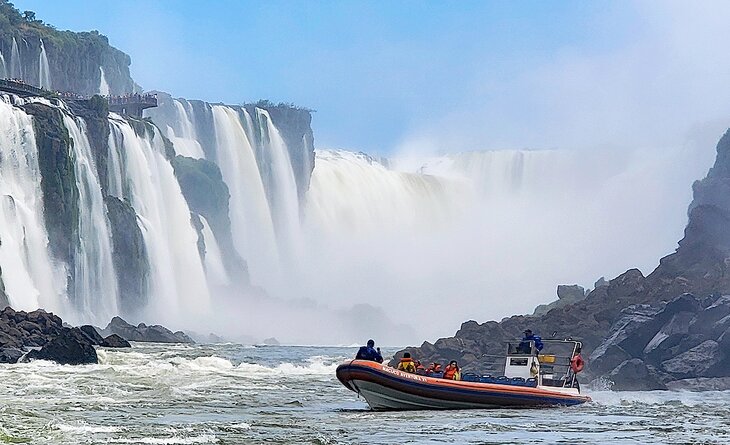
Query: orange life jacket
point(451, 372)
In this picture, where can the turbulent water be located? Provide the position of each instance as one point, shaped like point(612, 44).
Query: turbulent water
point(233, 394)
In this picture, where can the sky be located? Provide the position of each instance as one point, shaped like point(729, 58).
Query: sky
point(387, 77)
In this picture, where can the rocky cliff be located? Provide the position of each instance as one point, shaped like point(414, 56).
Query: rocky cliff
point(76, 60)
point(668, 329)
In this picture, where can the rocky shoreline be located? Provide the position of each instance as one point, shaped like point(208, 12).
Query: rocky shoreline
point(667, 330)
point(41, 335)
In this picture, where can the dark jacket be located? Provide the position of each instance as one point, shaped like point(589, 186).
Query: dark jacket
point(369, 353)
point(525, 344)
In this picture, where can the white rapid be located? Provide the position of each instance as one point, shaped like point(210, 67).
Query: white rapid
point(16, 65)
point(214, 267)
point(103, 85)
point(44, 72)
point(31, 279)
point(182, 133)
point(95, 286)
point(145, 177)
point(251, 220)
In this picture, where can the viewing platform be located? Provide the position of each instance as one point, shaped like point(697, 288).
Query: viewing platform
point(21, 88)
point(133, 104)
point(130, 104)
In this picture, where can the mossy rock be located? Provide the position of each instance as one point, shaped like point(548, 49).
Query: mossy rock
point(58, 179)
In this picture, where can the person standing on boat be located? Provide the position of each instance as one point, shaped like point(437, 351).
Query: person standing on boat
point(369, 353)
point(407, 364)
point(524, 346)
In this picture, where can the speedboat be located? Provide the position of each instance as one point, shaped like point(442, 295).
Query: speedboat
point(529, 380)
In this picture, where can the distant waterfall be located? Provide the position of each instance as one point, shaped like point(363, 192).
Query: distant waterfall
point(30, 277)
point(145, 177)
point(103, 85)
point(44, 73)
point(16, 65)
point(251, 221)
point(183, 134)
point(96, 290)
point(3, 67)
point(214, 267)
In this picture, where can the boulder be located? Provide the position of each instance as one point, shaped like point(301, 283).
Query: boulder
point(635, 375)
point(701, 361)
point(571, 293)
point(144, 333)
point(115, 341)
point(92, 334)
point(10, 355)
point(70, 347)
point(601, 282)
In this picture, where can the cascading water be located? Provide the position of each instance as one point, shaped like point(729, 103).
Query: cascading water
point(95, 284)
point(3, 67)
point(214, 268)
point(285, 202)
point(30, 277)
point(44, 72)
point(145, 177)
point(251, 221)
point(183, 134)
point(16, 65)
point(103, 85)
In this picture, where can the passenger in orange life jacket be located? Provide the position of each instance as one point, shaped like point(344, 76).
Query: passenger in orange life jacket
point(406, 363)
point(434, 370)
point(451, 372)
point(420, 369)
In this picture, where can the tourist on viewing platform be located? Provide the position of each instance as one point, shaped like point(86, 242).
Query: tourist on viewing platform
point(369, 352)
point(407, 364)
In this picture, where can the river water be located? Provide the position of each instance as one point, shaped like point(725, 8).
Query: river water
point(234, 394)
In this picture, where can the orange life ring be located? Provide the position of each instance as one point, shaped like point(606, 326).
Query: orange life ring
point(577, 364)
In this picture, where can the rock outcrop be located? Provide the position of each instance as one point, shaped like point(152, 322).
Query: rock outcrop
point(21, 330)
point(144, 333)
point(75, 59)
point(670, 329)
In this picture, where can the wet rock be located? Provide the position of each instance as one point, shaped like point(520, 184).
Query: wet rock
point(144, 333)
point(115, 341)
point(92, 334)
point(701, 361)
point(635, 375)
point(69, 347)
point(10, 355)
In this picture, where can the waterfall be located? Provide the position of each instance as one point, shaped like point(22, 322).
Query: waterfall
point(214, 267)
point(95, 286)
point(16, 65)
point(30, 277)
point(251, 221)
point(285, 202)
point(178, 282)
point(183, 135)
point(44, 73)
point(103, 85)
point(3, 67)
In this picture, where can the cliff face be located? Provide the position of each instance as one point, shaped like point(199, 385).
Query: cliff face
point(75, 60)
point(634, 326)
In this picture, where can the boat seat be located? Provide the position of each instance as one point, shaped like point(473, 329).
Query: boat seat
point(531, 382)
point(470, 377)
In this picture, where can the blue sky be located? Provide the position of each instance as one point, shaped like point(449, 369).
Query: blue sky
point(431, 76)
